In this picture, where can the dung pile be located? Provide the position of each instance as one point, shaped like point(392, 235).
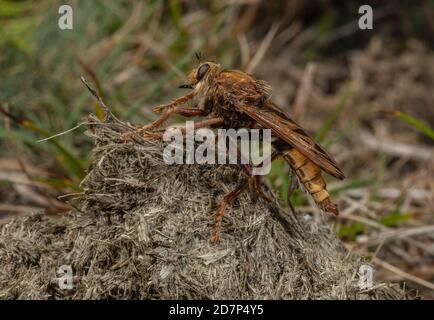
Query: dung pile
point(141, 231)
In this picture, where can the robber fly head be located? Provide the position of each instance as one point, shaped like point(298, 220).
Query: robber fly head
point(200, 76)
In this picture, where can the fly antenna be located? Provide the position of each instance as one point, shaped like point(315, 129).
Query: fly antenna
point(198, 55)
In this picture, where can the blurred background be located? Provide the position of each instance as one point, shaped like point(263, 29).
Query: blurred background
point(366, 95)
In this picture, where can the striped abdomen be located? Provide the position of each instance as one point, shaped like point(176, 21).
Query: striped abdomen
point(309, 174)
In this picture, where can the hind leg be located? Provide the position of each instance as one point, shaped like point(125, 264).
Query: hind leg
point(231, 196)
point(293, 184)
point(227, 199)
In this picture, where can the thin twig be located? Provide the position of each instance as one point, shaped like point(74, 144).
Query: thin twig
point(109, 116)
point(304, 91)
point(403, 274)
point(395, 148)
point(69, 195)
point(262, 50)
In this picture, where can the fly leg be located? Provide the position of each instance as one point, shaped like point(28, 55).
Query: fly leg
point(186, 112)
point(175, 102)
point(231, 196)
point(170, 109)
point(227, 199)
point(205, 123)
point(145, 130)
point(293, 184)
point(197, 125)
point(257, 179)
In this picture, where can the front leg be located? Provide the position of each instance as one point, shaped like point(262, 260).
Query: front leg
point(200, 109)
point(175, 102)
point(170, 108)
point(197, 125)
point(186, 112)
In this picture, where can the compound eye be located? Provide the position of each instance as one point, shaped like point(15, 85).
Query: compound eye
point(203, 69)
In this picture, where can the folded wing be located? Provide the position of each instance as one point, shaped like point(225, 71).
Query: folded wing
point(270, 116)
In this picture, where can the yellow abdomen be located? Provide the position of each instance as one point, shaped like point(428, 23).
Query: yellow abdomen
point(309, 174)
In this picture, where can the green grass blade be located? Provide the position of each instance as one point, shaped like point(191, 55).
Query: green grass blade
point(332, 118)
point(353, 184)
point(415, 123)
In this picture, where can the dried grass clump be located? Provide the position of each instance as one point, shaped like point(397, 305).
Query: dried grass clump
point(141, 231)
point(393, 79)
